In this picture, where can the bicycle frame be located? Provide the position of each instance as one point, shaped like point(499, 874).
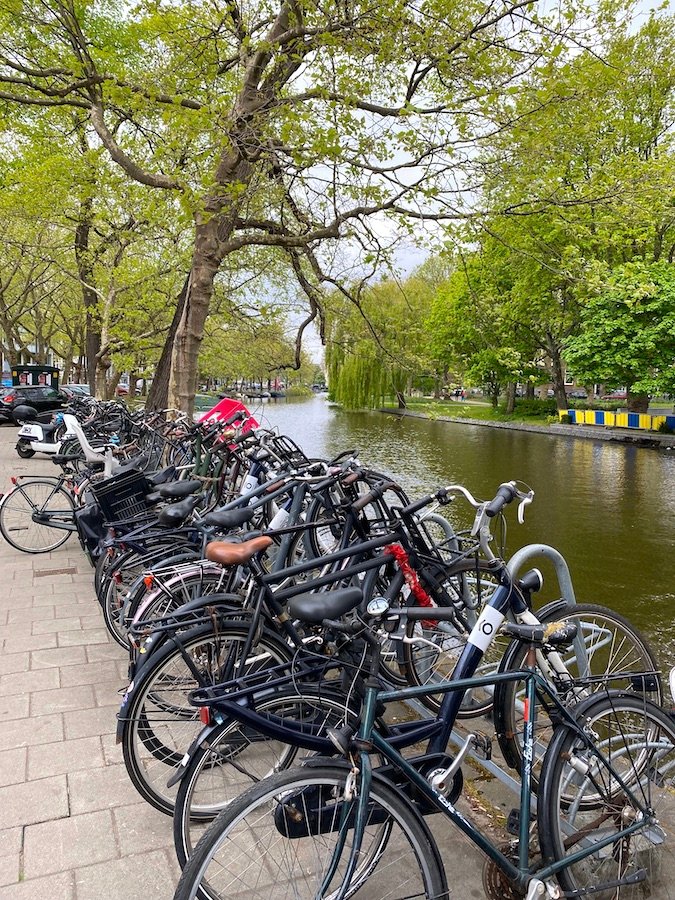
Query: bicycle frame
point(46, 518)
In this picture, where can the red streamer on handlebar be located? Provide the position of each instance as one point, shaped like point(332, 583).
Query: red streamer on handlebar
point(411, 579)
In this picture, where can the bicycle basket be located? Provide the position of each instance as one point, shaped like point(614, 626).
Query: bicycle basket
point(122, 496)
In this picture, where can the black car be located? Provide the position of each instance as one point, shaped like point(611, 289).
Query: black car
point(43, 399)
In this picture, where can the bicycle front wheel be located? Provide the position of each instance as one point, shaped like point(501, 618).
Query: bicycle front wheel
point(583, 804)
point(279, 839)
point(28, 510)
point(235, 757)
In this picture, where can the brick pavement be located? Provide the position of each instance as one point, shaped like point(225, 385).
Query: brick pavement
point(71, 825)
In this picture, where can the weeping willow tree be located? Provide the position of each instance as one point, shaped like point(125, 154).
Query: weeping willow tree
point(374, 349)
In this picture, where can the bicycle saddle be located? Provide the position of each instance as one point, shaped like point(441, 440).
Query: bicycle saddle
point(556, 634)
point(229, 518)
point(229, 554)
point(177, 490)
point(315, 608)
point(177, 513)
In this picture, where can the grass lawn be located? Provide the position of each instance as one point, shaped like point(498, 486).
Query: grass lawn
point(467, 409)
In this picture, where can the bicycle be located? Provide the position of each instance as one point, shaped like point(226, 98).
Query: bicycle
point(336, 829)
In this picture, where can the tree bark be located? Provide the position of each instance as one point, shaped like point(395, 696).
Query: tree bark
point(85, 271)
point(638, 403)
point(510, 397)
point(557, 375)
point(158, 395)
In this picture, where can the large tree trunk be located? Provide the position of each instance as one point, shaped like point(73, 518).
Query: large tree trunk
point(190, 331)
point(557, 375)
point(212, 232)
point(158, 395)
point(510, 397)
point(85, 271)
point(638, 403)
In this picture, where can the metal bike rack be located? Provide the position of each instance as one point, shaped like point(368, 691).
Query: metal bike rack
point(526, 557)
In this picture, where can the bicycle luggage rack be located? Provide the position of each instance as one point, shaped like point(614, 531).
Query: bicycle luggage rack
point(525, 557)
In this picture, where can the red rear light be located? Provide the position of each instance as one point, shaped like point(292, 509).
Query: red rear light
point(205, 715)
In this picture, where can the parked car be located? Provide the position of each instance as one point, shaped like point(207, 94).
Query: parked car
point(79, 390)
point(615, 395)
point(578, 394)
point(43, 399)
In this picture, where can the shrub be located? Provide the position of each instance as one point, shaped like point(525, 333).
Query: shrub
point(564, 419)
point(664, 428)
point(535, 407)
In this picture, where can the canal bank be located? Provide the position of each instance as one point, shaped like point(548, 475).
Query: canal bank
point(586, 432)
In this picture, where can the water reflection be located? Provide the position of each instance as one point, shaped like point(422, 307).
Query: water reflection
point(609, 508)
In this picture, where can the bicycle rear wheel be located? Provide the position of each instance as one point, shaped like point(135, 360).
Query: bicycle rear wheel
point(278, 839)
point(582, 803)
point(27, 510)
point(159, 721)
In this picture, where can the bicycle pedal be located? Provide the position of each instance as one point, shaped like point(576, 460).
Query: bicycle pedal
point(482, 746)
point(513, 822)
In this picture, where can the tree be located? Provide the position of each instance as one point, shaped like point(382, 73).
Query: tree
point(470, 330)
point(628, 332)
point(285, 123)
point(374, 349)
point(586, 180)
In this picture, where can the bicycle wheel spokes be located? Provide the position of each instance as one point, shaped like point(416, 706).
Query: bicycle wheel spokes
point(238, 756)
point(27, 511)
point(278, 841)
point(591, 803)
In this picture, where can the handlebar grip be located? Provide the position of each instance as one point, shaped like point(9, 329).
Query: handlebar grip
point(243, 436)
point(505, 494)
point(235, 417)
point(374, 494)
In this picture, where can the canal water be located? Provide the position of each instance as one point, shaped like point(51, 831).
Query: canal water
point(608, 508)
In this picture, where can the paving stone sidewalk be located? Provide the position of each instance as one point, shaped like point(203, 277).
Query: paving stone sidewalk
point(72, 826)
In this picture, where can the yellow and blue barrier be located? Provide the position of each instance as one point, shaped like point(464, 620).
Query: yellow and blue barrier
point(642, 421)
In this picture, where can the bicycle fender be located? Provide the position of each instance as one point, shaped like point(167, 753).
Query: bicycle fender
point(182, 767)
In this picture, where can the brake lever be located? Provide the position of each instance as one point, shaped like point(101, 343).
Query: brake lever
point(525, 501)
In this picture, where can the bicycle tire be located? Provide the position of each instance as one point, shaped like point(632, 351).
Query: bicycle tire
point(398, 851)
point(196, 578)
point(627, 651)
point(18, 507)
point(132, 568)
point(159, 723)
point(210, 782)
point(581, 802)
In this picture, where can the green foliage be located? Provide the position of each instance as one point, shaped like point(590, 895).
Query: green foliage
point(664, 428)
point(628, 329)
point(375, 349)
point(525, 407)
point(564, 419)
